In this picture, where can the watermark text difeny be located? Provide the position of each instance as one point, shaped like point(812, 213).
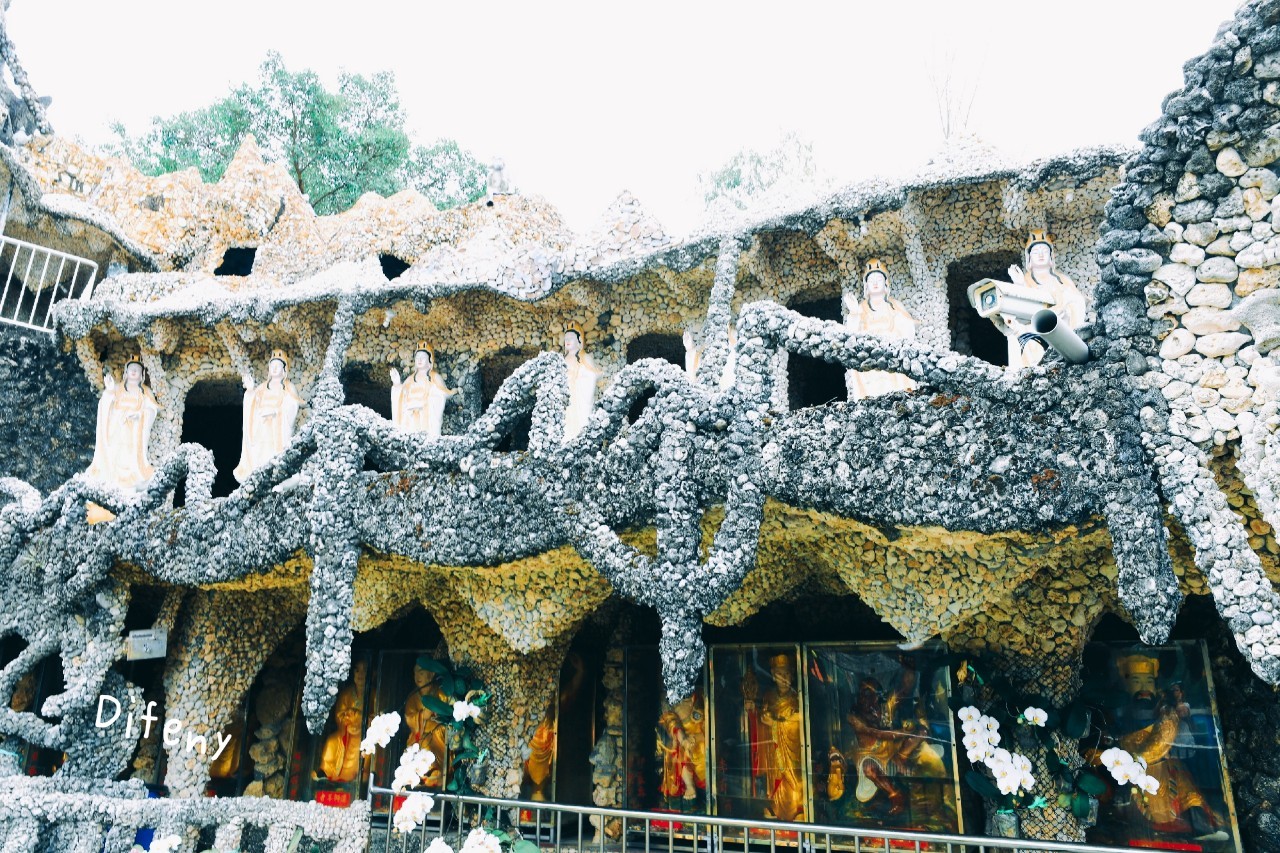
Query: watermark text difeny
point(171, 732)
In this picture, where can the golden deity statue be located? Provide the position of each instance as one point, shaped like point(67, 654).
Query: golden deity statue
point(340, 756)
point(583, 378)
point(879, 315)
point(682, 743)
point(270, 411)
point(126, 413)
point(885, 746)
point(1148, 728)
point(226, 765)
point(417, 403)
point(1024, 349)
point(424, 728)
point(542, 745)
point(778, 751)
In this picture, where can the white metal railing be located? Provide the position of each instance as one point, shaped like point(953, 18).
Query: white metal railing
point(583, 829)
point(35, 278)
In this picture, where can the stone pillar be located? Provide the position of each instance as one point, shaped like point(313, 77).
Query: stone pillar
point(522, 686)
point(1036, 637)
point(217, 652)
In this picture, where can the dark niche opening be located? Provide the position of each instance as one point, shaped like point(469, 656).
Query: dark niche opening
point(493, 372)
point(11, 645)
point(970, 334)
point(814, 616)
point(237, 261)
point(213, 418)
point(392, 266)
point(367, 385)
point(812, 381)
point(653, 345)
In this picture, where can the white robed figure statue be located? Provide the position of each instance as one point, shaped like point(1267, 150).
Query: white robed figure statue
point(126, 413)
point(417, 403)
point(693, 359)
point(1025, 349)
point(583, 378)
point(881, 316)
point(270, 411)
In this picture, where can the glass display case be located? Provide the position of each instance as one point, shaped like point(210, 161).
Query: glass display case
point(883, 751)
point(758, 736)
point(402, 684)
point(666, 747)
point(328, 767)
point(843, 734)
point(1157, 703)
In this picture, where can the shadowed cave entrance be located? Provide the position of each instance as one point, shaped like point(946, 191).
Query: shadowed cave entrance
point(970, 334)
point(812, 381)
point(213, 418)
point(237, 261)
point(653, 345)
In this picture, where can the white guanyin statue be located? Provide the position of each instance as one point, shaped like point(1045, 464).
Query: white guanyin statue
point(270, 411)
point(693, 359)
point(1026, 350)
point(583, 378)
point(126, 413)
point(881, 316)
point(417, 403)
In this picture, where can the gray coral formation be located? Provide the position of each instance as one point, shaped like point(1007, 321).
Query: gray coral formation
point(71, 816)
point(1006, 512)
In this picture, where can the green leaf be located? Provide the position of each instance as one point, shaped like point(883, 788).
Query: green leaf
point(1091, 783)
point(449, 686)
point(437, 707)
point(430, 664)
point(524, 846)
point(1075, 724)
point(1055, 763)
point(984, 787)
point(1080, 806)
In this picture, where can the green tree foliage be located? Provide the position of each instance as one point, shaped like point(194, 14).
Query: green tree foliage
point(751, 175)
point(335, 145)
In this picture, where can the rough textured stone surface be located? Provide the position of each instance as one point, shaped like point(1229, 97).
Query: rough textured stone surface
point(1002, 511)
point(47, 411)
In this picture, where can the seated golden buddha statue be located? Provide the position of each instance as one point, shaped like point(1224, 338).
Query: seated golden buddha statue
point(340, 755)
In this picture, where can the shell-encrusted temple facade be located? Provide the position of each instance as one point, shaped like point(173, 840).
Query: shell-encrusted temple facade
point(667, 498)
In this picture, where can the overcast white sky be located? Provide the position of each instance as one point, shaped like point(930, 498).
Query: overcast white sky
point(587, 99)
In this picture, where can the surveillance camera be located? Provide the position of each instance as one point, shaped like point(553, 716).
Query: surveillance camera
point(991, 296)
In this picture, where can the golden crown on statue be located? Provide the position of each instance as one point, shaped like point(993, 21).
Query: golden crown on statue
point(1137, 664)
point(1039, 235)
point(875, 265)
